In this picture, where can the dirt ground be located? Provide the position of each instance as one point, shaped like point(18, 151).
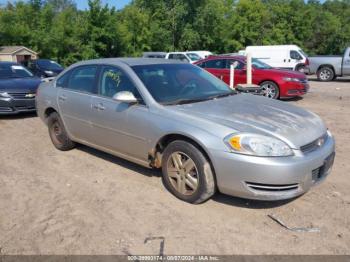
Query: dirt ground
point(88, 202)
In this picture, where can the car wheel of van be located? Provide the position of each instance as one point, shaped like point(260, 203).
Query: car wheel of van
point(187, 173)
point(270, 89)
point(301, 68)
point(325, 74)
point(58, 133)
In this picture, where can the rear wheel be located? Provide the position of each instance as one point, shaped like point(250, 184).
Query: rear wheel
point(325, 74)
point(58, 133)
point(187, 173)
point(270, 89)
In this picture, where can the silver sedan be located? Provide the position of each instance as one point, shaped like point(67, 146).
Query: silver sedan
point(175, 116)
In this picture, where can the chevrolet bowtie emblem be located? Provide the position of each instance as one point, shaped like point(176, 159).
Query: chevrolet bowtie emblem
point(30, 95)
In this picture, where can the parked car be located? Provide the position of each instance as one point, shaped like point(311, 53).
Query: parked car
point(154, 55)
point(44, 68)
point(189, 57)
point(290, 57)
point(17, 89)
point(202, 54)
point(328, 68)
point(275, 83)
point(178, 117)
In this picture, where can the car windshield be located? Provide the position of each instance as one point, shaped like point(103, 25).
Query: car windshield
point(193, 56)
point(181, 83)
point(14, 71)
point(49, 65)
point(304, 54)
point(260, 65)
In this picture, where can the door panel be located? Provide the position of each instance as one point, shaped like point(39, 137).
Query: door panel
point(118, 126)
point(75, 109)
point(240, 73)
point(74, 99)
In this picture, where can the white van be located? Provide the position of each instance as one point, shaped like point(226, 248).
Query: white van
point(280, 56)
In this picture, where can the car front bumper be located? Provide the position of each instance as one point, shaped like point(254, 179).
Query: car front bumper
point(272, 178)
point(11, 106)
point(293, 89)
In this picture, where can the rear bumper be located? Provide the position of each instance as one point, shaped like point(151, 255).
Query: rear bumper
point(10, 106)
point(272, 178)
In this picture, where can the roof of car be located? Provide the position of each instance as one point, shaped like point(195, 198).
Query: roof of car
point(131, 61)
point(240, 57)
point(7, 63)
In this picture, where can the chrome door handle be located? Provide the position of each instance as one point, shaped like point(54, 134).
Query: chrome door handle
point(99, 107)
point(62, 98)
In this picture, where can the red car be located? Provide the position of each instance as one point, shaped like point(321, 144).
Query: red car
point(276, 83)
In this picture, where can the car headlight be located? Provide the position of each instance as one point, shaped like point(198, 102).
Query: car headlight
point(49, 72)
point(4, 95)
point(257, 145)
point(292, 79)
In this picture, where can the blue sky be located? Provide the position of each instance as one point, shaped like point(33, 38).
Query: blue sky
point(82, 4)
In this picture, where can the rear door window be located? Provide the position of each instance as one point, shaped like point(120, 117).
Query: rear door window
point(63, 80)
point(83, 79)
point(237, 64)
point(216, 64)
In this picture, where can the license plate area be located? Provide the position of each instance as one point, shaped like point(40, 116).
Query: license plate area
point(321, 172)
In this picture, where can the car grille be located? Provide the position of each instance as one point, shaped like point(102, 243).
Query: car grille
point(272, 188)
point(22, 95)
point(314, 144)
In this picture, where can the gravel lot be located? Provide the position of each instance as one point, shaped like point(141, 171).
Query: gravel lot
point(88, 202)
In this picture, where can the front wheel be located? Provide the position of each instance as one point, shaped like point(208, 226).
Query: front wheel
point(187, 172)
point(325, 74)
point(301, 68)
point(270, 89)
point(58, 134)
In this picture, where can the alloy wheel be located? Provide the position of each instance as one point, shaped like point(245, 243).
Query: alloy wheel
point(182, 173)
point(325, 74)
point(269, 90)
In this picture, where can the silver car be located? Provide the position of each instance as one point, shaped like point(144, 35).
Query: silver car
point(175, 116)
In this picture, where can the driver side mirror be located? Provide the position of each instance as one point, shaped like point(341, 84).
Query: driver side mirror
point(125, 97)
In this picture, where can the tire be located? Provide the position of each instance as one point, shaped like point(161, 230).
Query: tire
point(58, 133)
point(325, 74)
point(270, 89)
point(194, 184)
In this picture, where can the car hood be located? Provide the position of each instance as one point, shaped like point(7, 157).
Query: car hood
point(284, 73)
point(254, 114)
point(19, 85)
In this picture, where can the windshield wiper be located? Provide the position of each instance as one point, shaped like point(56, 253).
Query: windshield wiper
point(184, 101)
point(221, 95)
point(196, 100)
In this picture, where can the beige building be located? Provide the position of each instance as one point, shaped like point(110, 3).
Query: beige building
point(19, 54)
